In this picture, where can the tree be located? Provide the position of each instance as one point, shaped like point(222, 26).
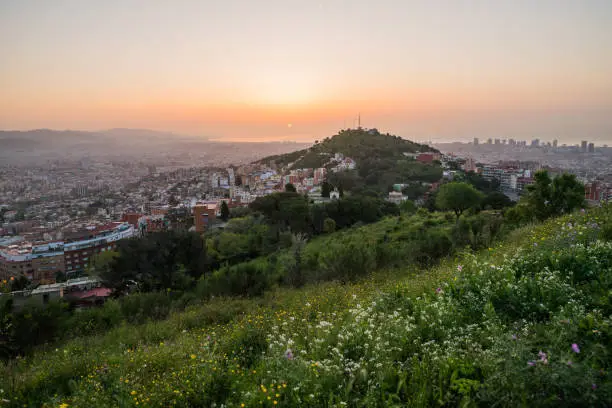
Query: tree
point(172, 201)
point(546, 198)
point(225, 211)
point(326, 188)
point(60, 277)
point(539, 195)
point(238, 212)
point(295, 275)
point(497, 201)
point(19, 283)
point(567, 194)
point(457, 197)
point(481, 183)
point(329, 225)
point(407, 207)
point(284, 211)
point(158, 261)
point(290, 188)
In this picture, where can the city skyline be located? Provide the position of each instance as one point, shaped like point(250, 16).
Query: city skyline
point(280, 70)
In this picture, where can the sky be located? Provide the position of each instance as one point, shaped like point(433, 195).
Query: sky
point(303, 69)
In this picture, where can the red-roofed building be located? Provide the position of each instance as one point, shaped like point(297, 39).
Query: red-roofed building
point(428, 157)
point(131, 218)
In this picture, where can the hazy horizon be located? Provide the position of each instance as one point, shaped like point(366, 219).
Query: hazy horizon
point(276, 70)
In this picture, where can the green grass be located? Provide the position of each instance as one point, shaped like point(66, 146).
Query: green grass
point(467, 332)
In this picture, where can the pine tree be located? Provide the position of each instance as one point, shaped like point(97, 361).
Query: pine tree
point(225, 212)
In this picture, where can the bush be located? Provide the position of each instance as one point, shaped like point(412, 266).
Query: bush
point(244, 279)
point(85, 322)
point(141, 307)
point(35, 325)
point(347, 259)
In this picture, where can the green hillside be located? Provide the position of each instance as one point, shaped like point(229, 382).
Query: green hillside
point(380, 159)
point(522, 323)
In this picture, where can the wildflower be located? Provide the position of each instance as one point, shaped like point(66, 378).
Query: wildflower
point(459, 268)
point(570, 363)
point(575, 348)
point(543, 357)
point(514, 337)
point(133, 392)
point(289, 354)
point(64, 405)
point(439, 290)
point(531, 363)
point(594, 386)
point(193, 356)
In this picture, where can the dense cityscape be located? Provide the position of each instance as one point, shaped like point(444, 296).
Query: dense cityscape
point(55, 218)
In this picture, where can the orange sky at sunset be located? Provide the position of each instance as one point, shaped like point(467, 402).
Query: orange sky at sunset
point(237, 70)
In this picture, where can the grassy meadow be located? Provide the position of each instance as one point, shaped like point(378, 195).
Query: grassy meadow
point(525, 322)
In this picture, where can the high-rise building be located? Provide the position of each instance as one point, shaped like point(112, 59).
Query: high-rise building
point(497, 141)
point(489, 141)
point(476, 141)
point(535, 143)
point(583, 146)
point(591, 147)
point(555, 143)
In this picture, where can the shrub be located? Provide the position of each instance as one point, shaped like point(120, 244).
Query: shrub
point(141, 307)
point(244, 279)
point(347, 259)
point(85, 322)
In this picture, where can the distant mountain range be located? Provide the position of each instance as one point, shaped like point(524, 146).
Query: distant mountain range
point(39, 145)
point(43, 137)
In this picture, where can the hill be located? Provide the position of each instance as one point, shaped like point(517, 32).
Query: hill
point(381, 159)
point(524, 322)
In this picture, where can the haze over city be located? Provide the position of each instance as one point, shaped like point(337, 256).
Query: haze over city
point(241, 70)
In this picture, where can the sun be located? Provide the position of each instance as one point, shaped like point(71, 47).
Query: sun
point(289, 125)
